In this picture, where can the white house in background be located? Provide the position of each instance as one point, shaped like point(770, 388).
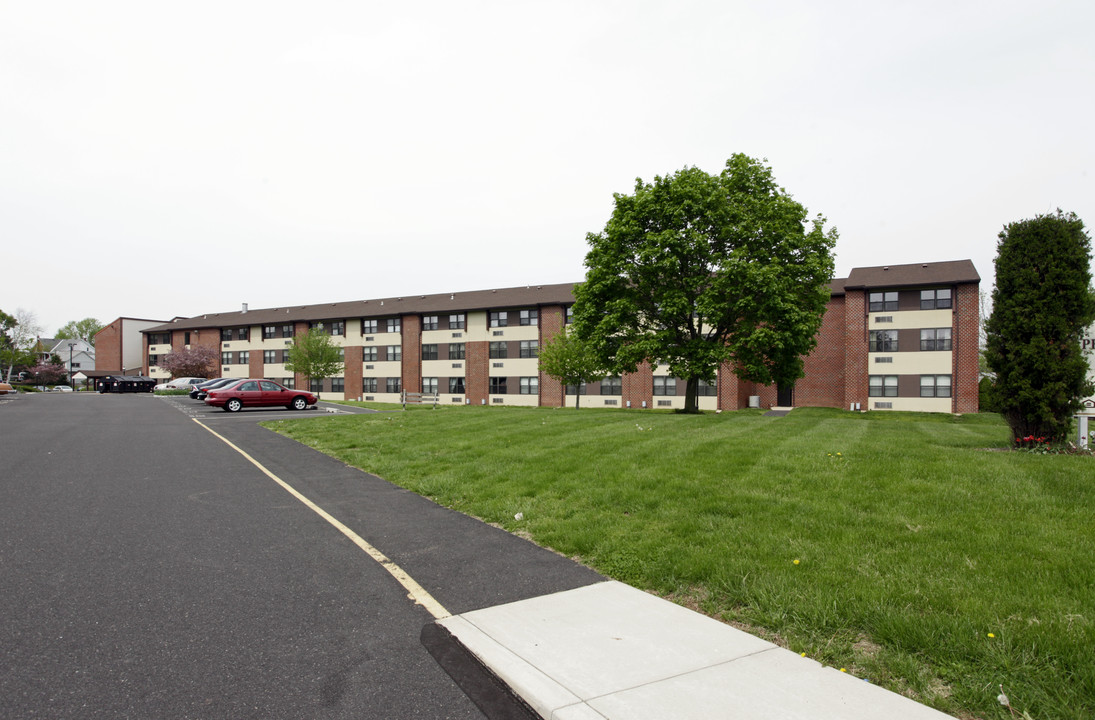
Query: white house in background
point(82, 355)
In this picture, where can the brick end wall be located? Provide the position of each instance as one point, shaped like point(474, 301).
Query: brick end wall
point(823, 382)
point(855, 348)
point(966, 337)
point(727, 388)
point(552, 392)
point(108, 348)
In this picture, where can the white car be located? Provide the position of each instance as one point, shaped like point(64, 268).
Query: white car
point(182, 383)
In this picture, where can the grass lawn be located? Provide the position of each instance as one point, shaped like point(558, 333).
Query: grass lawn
point(908, 548)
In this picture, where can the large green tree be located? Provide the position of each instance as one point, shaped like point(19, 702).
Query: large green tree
point(80, 330)
point(571, 361)
point(314, 356)
point(693, 270)
point(1041, 305)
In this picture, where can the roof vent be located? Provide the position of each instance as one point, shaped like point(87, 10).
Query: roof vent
point(886, 267)
point(245, 307)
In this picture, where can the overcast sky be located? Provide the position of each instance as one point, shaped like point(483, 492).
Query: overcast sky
point(163, 159)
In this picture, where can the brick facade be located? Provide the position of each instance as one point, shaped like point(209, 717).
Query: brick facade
point(838, 372)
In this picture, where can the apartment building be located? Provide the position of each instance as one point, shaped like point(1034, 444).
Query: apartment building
point(893, 338)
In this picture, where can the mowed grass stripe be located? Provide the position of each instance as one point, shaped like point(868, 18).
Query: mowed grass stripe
point(914, 543)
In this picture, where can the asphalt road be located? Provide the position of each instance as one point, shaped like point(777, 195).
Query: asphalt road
point(149, 570)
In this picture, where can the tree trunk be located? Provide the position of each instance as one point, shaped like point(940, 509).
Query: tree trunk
point(691, 392)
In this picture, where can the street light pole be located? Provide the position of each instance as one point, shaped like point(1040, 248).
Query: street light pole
point(70, 346)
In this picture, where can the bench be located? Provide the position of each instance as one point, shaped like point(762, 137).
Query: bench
point(417, 398)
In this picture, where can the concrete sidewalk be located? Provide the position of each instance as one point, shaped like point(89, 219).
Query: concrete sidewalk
point(609, 651)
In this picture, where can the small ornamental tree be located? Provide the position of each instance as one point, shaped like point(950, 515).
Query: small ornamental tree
point(571, 361)
point(313, 355)
point(49, 373)
point(1040, 307)
point(195, 361)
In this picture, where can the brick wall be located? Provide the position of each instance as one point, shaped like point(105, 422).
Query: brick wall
point(965, 337)
point(823, 383)
point(108, 348)
point(855, 348)
point(412, 352)
point(552, 392)
point(638, 387)
point(353, 371)
point(477, 372)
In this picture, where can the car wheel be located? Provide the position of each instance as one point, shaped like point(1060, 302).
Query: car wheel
point(233, 405)
point(299, 403)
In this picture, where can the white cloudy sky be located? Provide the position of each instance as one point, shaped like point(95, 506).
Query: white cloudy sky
point(162, 159)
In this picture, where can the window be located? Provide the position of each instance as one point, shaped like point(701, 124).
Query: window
point(530, 386)
point(342, 354)
point(935, 339)
point(429, 322)
point(882, 301)
point(153, 360)
point(612, 386)
point(243, 357)
point(186, 338)
point(337, 327)
point(226, 358)
point(456, 351)
point(394, 352)
point(159, 338)
point(429, 385)
point(530, 317)
point(289, 382)
point(882, 386)
point(393, 325)
point(498, 350)
point(935, 386)
point(368, 353)
point(391, 385)
point(665, 386)
point(316, 385)
point(269, 331)
point(286, 331)
point(226, 334)
point(429, 352)
point(269, 356)
point(457, 322)
point(456, 385)
point(368, 326)
point(499, 319)
point(882, 341)
point(530, 348)
point(368, 384)
point(497, 386)
point(569, 315)
point(580, 390)
point(705, 389)
point(338, 384)
point(935, 299)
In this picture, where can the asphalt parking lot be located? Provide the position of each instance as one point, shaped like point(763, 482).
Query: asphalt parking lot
point(151, 569)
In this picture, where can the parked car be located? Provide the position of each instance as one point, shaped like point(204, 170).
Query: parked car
point(197, 392)
point(182, 383)
point(256, 392)
point(62, 388)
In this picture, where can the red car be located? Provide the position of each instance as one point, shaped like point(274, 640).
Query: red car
point(254, 392)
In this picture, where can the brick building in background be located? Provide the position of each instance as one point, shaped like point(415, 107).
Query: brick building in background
point(902, 337)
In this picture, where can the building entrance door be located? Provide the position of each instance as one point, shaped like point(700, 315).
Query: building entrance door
point(785, 395)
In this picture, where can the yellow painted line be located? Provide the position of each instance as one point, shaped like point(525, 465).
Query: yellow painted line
point(415, 591)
